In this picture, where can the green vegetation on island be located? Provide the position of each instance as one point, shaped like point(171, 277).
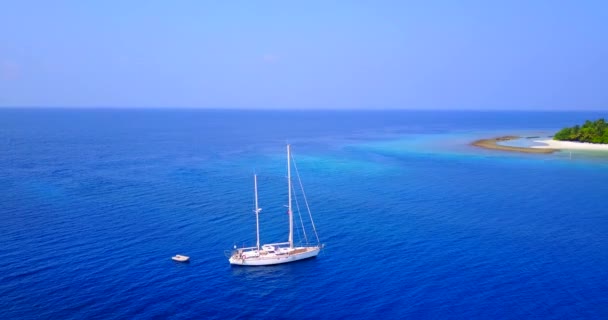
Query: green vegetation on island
point(591, 131)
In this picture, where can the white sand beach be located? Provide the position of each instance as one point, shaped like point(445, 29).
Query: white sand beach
point(570, 145)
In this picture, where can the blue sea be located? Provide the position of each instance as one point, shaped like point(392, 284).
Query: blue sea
point(416, 222)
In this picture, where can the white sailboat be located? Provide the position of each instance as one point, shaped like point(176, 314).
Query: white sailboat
point(277, 253)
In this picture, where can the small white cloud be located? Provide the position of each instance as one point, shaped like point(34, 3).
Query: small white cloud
point(9, 70)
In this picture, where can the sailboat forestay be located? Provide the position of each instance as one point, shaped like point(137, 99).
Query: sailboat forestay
point(277, 253)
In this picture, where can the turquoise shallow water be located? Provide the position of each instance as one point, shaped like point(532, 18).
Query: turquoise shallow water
point(417, 223)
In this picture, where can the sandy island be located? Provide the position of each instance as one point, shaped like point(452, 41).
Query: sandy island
point(549, 147)
point(571, 145)
point(493, 144)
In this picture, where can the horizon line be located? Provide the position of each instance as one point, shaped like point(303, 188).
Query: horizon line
point(290, 109)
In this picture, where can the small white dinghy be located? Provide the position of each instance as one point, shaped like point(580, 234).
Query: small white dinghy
point(180, 258)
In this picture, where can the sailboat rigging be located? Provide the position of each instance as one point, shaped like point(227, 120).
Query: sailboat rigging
point(277, 253)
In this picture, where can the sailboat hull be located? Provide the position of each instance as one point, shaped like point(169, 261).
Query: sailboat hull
point(310, 252)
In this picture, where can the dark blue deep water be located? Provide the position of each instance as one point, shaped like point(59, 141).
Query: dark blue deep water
point(416, 222)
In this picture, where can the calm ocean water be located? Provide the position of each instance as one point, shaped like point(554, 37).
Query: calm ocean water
point(416, 222)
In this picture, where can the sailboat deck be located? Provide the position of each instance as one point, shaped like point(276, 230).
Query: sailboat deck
point(254, 257)
point(301, 250)
point(262, 254)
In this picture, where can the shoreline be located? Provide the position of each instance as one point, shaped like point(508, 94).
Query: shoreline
point(492, 144)
point(570, 145)
point(550, 145)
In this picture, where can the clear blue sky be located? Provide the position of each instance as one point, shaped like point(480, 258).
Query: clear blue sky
point(545, 55)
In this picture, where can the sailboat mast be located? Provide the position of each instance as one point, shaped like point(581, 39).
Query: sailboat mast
point(257, 211)
point(289, 197)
